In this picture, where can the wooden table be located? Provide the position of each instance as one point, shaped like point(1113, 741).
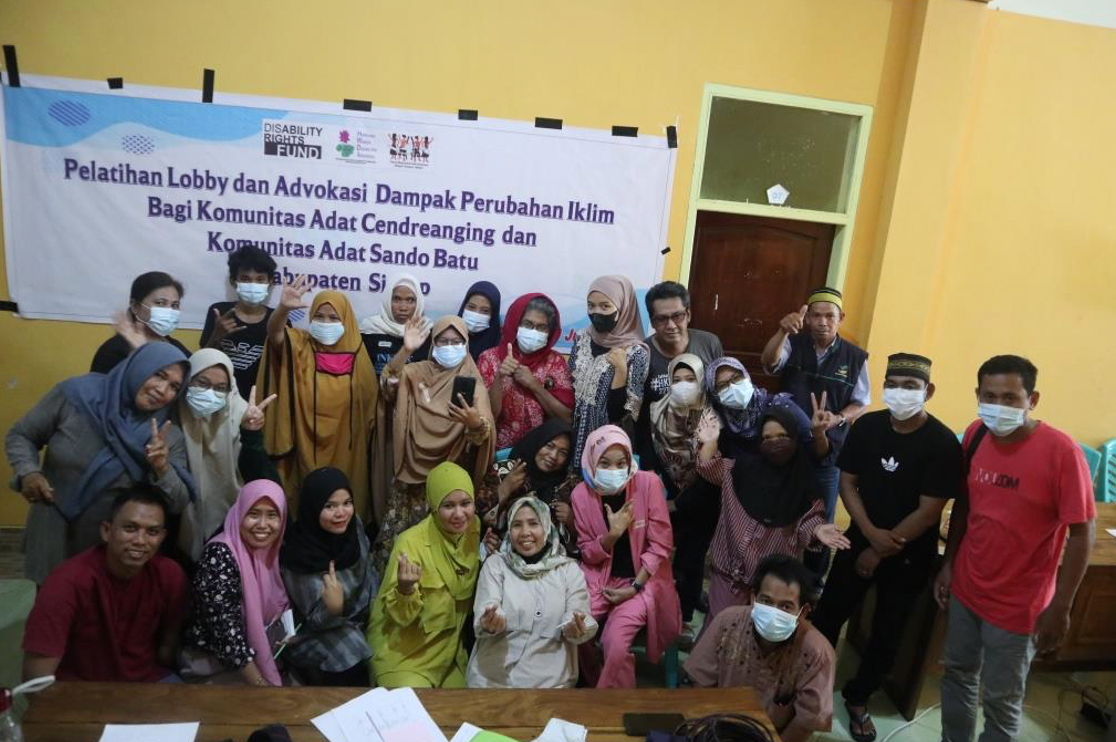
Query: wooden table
point(1089, 645)
point(77, 712)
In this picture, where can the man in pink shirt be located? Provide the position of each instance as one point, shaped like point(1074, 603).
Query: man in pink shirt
point(1028, 484)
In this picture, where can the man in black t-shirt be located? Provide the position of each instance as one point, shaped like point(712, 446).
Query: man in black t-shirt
point(898, 468)
point(239, 329)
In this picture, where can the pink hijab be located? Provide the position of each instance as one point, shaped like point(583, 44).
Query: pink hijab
point(264, 597)
point(629, 327)
point(599, 441)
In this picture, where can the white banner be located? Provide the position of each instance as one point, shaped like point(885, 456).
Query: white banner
point(102, 185)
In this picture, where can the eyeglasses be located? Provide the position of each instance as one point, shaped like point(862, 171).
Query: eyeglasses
point(662, 320)
point(541, 327)
point(205, 386)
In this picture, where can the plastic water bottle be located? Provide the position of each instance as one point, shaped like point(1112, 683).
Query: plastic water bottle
point(9, 730)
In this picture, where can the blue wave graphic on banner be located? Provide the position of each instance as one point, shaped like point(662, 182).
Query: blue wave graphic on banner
point(54, 118)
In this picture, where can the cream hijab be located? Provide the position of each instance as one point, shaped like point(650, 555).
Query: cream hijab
point(212, 451)
point(384, 323)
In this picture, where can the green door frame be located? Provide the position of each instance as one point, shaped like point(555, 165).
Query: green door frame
point(842, 221)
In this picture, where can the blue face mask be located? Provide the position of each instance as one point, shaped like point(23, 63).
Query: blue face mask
point(252, 293)
point(326, 333)
point(737, 395)
point(204, 402)
point(531, 340)
point(475, 321)
point(163, 320)
point(449, 356)
point(610, 481)
point(773, 624)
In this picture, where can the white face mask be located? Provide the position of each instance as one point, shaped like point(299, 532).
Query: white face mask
point(449, 356)
point(685, 393)
point(252, 293)
point(1000, 419)
point(205, 402)
point(475, 321)
point(737, 395)
point(904, 403)
point(773, 624)
point(163, 320)
point(610, 481)
point(530, 340)
point(326, 333)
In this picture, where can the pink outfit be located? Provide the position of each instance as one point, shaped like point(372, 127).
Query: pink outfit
point(264, 596)
point(652, 542)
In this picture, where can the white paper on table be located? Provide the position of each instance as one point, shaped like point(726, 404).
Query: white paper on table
point(558, 730)
point(401, 717)
point(185, 732)
point(330, 728)
point(288, 623)
point(1111, 532)
point(351, 718)
point(466, 733)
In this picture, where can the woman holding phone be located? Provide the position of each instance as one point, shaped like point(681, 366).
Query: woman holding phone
point(441, 414)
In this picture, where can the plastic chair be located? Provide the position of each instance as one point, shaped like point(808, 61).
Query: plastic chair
point(1093, 458)
point(1105, 487)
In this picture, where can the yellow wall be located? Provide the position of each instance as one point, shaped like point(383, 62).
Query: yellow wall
point(1000, 236)
point(966, 242)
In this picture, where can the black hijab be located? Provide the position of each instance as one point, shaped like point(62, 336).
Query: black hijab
point(777, 494)
point(540, 482)
point(308, 548)
point(490, 338)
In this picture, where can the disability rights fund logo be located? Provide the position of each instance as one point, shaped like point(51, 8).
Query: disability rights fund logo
point(298, 141)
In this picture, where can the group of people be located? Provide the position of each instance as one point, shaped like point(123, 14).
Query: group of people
point(450, 502)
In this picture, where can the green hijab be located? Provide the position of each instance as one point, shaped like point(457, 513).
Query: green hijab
point(456, 556)
point(552, 555)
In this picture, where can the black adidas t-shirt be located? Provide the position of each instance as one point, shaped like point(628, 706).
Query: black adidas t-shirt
point(894, 470)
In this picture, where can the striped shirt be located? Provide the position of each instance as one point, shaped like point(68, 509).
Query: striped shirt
point(741, 542)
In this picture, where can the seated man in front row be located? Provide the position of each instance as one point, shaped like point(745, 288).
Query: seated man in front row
point(112, 612)
point(767, 646)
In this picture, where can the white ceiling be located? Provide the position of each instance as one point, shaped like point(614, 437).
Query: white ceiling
point(1090, 12)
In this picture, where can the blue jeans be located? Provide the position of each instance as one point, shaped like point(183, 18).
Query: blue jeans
point(828, 478)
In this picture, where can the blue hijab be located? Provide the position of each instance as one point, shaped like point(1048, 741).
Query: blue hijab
point(490, 338)
point(109, 402)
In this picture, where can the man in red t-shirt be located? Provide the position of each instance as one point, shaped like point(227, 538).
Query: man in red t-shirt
point(1027, 484)
point(112, 612)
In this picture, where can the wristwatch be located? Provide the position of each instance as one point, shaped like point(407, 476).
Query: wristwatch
point(842, 419)
point(636, 585)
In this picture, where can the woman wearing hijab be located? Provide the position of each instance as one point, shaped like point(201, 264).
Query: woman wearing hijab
point(239, 595)
point(527, 380)
point(427, 592)
point(741, 406)
point(214, 417)
point(383, 333)
point(383, 339)
point(326, 389)
point(695, 506)
point(481, 312)
point(430, 426)
point(770, 504)
point(609, 360)
point(330, 582)
point(538, 467)
point(532, 607)
point(626, 541)
point(103, 433)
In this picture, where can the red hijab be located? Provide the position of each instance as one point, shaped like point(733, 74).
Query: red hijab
point(511, 327)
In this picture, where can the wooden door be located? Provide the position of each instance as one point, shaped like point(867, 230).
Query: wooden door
point(749, 271)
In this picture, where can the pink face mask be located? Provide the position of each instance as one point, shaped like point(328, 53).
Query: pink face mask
point(336, 364)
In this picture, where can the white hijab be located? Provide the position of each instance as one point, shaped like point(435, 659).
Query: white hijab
point(384, 323)
point(212, 451)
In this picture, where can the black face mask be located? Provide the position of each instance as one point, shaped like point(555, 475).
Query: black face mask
point(604, 323)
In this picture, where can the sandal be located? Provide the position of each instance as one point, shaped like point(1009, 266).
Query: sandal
point(861, 721)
